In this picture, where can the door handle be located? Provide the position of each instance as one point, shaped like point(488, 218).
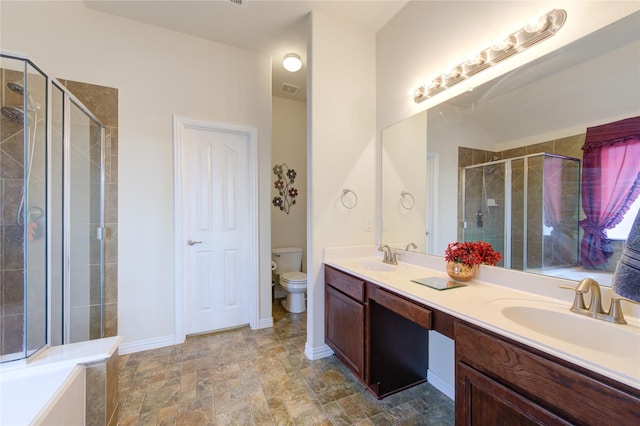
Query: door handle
point(192, 242)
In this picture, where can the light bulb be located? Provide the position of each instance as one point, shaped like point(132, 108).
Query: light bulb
point(504, 43)
point(292, 62)
point(475, 59)
point(537, 24)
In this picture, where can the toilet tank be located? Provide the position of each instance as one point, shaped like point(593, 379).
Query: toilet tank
point(288, 259)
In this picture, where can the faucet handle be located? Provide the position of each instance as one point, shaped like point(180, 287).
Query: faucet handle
point(618, 298)
point(615, 314)
point(578, 300)
point(566, 287)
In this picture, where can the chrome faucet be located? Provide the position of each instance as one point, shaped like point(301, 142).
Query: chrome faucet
point(594, 309)
point(411, 246)
point(389, 256)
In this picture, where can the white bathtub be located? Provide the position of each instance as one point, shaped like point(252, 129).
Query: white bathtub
point(51, 388)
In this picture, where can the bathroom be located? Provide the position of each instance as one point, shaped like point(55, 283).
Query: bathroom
point(348, 109)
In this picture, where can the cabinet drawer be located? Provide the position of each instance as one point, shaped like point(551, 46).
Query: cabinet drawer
point(349, 285)
point(401, 306)
point(574, 394)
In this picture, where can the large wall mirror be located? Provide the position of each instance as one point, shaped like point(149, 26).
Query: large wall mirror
point(474, 167)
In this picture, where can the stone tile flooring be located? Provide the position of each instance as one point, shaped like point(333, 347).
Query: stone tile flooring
point(261, 377)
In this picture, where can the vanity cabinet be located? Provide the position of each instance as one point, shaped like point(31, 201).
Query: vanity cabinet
point(499, 381)
point(381, 336)
point(345, 319)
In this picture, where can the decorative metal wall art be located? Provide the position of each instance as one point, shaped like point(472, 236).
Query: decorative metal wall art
point(284, 184)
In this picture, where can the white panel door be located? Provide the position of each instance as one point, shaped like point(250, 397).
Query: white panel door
point(217, 229)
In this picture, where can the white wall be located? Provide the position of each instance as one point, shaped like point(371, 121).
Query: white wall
point(341, 152)
point(402, 223)
point(425, 38)
point(158, 73)
point(289, 145)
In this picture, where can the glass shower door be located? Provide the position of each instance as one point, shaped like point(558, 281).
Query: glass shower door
point(32, 209)
point(23, 209)
point(84, 293)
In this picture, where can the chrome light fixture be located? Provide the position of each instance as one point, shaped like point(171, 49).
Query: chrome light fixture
point(292, 62)
point(536, 30)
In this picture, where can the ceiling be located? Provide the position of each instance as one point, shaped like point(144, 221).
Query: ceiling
point(266, 26)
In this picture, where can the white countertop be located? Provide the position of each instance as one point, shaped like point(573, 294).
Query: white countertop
point(612, 350)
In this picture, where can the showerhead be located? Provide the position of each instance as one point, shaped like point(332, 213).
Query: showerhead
point(13, 114)
point(489, 170)
point(18, 88)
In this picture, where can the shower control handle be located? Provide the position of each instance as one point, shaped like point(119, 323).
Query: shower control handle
point(193, 242)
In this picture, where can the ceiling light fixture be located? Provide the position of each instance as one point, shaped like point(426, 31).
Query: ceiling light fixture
point(292, 62)
point(536, 30)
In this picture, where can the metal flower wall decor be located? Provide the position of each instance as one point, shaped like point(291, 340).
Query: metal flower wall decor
point(284, 184)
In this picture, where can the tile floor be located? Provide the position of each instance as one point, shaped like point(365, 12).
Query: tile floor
point(261, 377)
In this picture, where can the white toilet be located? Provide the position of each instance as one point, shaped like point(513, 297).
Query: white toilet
point(288, 262)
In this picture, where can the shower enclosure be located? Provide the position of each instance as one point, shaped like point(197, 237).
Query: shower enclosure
point(51, 213)
point(527, 207)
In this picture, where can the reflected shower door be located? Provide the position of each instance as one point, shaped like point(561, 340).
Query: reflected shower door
point(518, 215)
point(84, 281)
point(484, 204)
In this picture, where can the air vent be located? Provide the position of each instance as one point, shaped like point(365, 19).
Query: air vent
point(242, 3)
point(289, 88)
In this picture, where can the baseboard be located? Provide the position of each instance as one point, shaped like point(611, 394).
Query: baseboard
point(145, 345)
point(317, 352)
point(443, 386)
point(264, 323)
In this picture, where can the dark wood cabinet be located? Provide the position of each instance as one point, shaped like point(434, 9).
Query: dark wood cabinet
point(345, 329)
point(380, 336)
point(345, 319)
point(398, 342)
point(499, 381)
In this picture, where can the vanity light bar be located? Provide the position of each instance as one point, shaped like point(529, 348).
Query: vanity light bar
point(536, 30)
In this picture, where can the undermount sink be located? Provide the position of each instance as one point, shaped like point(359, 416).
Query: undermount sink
point(375, 265)
point(557, 322)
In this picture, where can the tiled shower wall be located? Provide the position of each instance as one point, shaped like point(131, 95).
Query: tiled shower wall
point(103, 102)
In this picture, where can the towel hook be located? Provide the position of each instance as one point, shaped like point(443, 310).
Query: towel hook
point(407, 200)
point(346, 192)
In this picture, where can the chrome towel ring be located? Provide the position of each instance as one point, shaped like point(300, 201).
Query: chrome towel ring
point(351, 201)
point(407, 200)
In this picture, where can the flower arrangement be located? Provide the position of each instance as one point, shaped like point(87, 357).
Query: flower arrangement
point(287, 193)
point(469, 253)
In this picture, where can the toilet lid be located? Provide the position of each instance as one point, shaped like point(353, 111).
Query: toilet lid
point(293, 277)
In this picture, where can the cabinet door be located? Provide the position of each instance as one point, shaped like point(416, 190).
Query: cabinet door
point(344, 329)
point(487, 402)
